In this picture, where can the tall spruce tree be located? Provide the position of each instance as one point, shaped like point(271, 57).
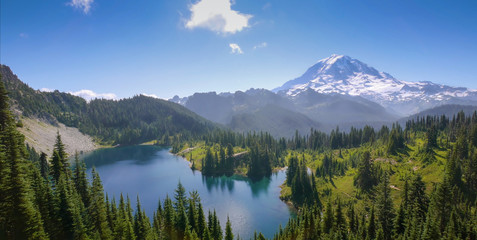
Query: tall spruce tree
point(384, 207)
point(19, 219)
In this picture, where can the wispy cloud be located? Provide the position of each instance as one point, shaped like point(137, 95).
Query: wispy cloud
point(46, 90)
point(261, 45)
point(88, 95)
point(235, 48)
point(217, 16)
point(23, 35)
point(150, 95)
point(267, 6)
point(83, 5)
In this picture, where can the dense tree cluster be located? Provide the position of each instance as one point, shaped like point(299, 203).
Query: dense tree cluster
point(222, 163)
point(302, 184)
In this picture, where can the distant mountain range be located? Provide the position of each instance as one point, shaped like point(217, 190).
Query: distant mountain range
point(337, 90)
point(252, 110)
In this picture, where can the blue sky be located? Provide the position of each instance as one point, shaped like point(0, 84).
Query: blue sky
point(169, 47)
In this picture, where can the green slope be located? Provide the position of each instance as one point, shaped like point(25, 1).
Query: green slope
point(127, 121)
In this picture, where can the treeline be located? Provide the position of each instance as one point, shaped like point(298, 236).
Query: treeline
point(261, 153)
point(43, 199)
point(218, 164)
point(127, 121)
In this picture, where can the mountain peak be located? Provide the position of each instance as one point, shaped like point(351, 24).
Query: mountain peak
point(333, 58)
point(334, 69)
point(341, 74)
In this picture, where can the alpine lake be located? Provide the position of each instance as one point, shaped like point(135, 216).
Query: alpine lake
point(152, 173)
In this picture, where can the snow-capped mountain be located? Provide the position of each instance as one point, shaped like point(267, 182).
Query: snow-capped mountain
point(341, 74)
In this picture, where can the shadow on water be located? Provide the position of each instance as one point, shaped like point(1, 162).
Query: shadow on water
point(224, 183)
point(138, 154)
point(219, 183)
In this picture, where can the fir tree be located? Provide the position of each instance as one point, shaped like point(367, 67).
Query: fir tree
point(228, 230)
point(19, 218)
point(97, 208)
point(44, 166)
point(384, 207)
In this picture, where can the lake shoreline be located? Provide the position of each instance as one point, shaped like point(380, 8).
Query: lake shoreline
point(124, 170)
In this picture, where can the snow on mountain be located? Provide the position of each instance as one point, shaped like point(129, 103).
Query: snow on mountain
point(344, 75)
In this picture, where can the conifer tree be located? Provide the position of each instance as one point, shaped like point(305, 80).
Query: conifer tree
point(365, 179)
point(44, 166)
point(328, 218)
point(201, 224)
point(81, 181)
point(180, 197)
point(371, 231)
point(384, 207)
point(228, 230)
point(19, 219)
point(97, 208)
point(418, 198)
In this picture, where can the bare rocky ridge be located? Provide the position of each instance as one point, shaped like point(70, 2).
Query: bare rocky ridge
point(41, 135)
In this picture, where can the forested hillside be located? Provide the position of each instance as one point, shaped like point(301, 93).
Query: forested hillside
point(127, 121)
point(49, 199)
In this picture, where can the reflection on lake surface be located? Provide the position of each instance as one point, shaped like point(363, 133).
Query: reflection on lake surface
point(152, 172)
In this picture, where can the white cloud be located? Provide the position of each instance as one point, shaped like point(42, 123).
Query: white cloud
point(46, 89)
point(217, 16)
point(261, 45)
point(84, 5)
point(151, 95)
point(23, 35)
point(89, 95)
point(235, 48)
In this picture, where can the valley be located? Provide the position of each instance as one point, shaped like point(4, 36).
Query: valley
point(260, 160)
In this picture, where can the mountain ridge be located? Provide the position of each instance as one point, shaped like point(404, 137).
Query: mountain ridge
point(126, 121)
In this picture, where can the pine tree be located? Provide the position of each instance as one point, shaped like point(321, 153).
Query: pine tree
point(441, 204)
point(192, 215)
point(399, 221)
point(384, 207)
point(201, 224)
point(340, 222)
point(59, 159)
point(72, 226)
point(169, 216)
point(81, 181)
point(371, 231)
point(142, 226)
point(19, 218)
point(180, 197)
point(365, 179)
point(97, 208)
point(418, 198)
point(228, 230)
point(44, 166)
point(328, 218)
